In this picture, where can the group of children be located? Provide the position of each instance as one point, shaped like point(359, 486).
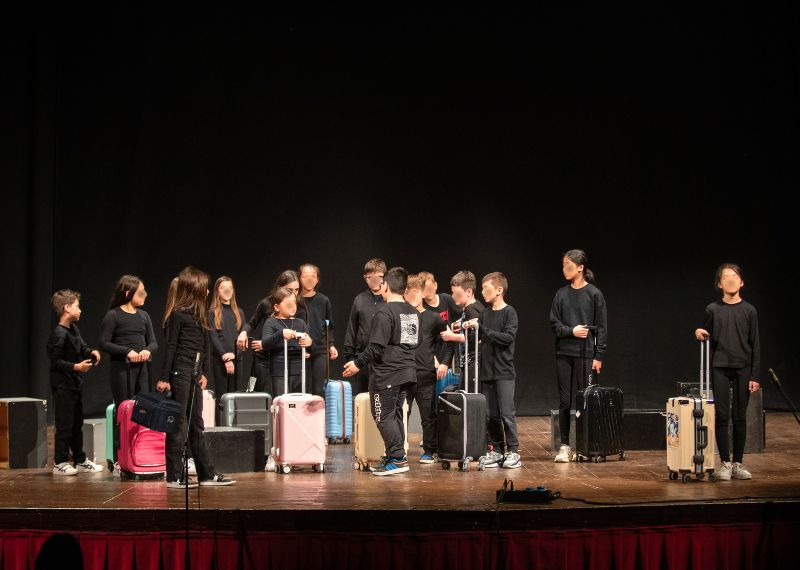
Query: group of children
point(402, 336)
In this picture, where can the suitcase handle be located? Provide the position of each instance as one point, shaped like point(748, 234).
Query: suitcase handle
point(444, 401)
point(286, 367)
point(466, 359)
point(705, 368)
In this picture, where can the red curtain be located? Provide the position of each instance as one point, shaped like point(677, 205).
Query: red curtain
point(701, 547)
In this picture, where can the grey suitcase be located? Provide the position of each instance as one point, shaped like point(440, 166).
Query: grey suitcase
point(250, 410)
point(94, 439)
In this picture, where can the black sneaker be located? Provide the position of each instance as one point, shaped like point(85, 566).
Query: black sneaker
point(218, 480)
point(181, 484)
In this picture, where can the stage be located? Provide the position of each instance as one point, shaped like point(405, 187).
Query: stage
point(430, 513)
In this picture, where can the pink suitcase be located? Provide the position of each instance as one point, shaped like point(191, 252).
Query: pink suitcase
point(298, 425)
point(141, 450)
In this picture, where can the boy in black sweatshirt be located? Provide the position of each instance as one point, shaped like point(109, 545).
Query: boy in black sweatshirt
point(394, 335)
point(497, 331)
point(732, 325)
point(463, 285)
point(356, 339)
point(70, 357)
point(431, 325)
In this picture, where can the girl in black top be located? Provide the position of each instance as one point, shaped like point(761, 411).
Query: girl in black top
point(320, 325)
point(126, 334)
point(576, 307)
point(283, 325)
point(186, 332)
point(226, 320)
point(732, 325)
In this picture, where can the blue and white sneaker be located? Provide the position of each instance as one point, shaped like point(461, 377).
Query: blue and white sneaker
point(391, 467)
point(428, 458)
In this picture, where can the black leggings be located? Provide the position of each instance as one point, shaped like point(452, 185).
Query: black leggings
point(723, 379)
point(572, 372)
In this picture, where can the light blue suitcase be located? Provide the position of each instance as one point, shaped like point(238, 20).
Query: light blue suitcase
point(338, 411)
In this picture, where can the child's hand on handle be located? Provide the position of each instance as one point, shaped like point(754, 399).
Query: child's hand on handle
point(597, 365)
point(754, 385)
point(470, 324)
point(334, 354)
point(203, 382)
point(241, 341)
point(350, 369)
point(581, 331)
point(162, 386)
point(288, 334)
point(441, 371)
point(83, 366)
point(701, 334)
point(305, 340)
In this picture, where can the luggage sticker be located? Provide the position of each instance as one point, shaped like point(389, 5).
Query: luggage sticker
point(673, 437)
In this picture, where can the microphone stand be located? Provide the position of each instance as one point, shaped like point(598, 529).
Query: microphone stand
point(193, 381)
point(777, 382)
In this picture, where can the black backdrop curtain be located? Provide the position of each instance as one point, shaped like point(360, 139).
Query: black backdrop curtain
point(247, 143)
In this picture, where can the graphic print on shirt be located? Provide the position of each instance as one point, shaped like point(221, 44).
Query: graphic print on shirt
point(409, 329)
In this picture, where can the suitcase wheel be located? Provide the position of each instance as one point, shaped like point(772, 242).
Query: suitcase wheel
point(286, 469)
point(331, 440)
point(686, 477)
point(445, 465)
point(673, 475)
point(319, 467)
point(347, 440)
point(463, 465)
point(357, 465)
point(700, 476)
point(622, 456)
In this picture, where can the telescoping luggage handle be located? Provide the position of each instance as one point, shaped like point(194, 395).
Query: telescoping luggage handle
point(466, 359)
point(705, 368)
point(286, 365)
point(588, 374)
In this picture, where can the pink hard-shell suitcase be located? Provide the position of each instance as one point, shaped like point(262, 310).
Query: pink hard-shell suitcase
point(141, 450)
point(298, 425)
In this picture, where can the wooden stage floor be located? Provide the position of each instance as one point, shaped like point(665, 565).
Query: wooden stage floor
point(634, 491)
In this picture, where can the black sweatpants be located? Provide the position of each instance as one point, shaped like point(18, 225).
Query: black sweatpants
point(387, 410)
point(262, 374)
point(317, 369)
point(182, 389)
point(423, 393)
point(723, 379)
point(572, 373)
point(501, 416)
point(69, 425)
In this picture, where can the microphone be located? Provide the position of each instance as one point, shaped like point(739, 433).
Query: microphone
point(196, 369)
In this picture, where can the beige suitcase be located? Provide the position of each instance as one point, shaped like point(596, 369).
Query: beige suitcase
point(367, 441)
point(690, 429)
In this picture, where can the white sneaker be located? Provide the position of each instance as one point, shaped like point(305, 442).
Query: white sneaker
point(271, 466)
point(564, 454)
point(192, 468)
point(218, 480)
point(493, 459)
point(739, 472)
point(64, 469)
point(511, 460)
point(725, 471)
point(89, 466)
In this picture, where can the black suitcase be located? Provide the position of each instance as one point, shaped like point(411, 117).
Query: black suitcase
point(598, 419)
point(461, 421)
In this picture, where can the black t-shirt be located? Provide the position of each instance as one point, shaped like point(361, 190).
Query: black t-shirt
point(430, 340)
point(121, 332)
point(395, 327)
point(449, 311)
point(734, 336)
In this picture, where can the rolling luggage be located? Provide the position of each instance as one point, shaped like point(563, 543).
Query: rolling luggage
point(368, 447)
point(112, 436)
point(598, 417)
point(298, 422)
point(338, 404)
point(141, 450)
point(690, 428)
point(461, 419)
point(249, 410)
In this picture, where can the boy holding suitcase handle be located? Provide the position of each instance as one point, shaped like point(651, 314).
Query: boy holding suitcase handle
point(575, 308)
point(732, 325)
point(394, 334)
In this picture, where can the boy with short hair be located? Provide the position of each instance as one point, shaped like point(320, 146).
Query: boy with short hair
point(70, 357)
point(365, 304)
point(394, 334)
point(431, 325)
point(463, 286)
point(498, 326)
point(445, 306)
